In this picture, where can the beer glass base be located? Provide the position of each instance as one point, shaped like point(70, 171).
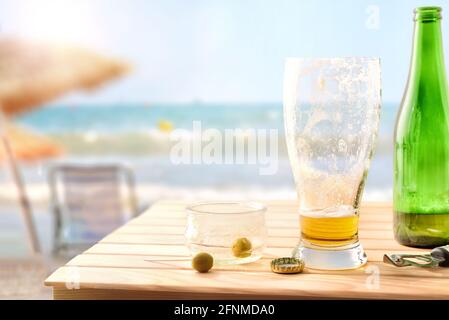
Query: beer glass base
point(335, 258)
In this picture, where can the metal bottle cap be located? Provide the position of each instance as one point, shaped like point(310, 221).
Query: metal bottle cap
point(287, 265)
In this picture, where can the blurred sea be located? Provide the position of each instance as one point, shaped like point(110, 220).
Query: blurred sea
point(130, 133)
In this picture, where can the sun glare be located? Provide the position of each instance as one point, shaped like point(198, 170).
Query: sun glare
point(61, 21)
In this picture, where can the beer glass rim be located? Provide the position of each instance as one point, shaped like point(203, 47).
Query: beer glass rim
point(216, 207)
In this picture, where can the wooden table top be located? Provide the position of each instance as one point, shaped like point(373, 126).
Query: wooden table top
point(116, 266)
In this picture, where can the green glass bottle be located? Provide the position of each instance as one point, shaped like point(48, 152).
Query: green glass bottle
point(421, 160)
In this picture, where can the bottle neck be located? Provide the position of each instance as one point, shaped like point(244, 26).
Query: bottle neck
point(428, 55)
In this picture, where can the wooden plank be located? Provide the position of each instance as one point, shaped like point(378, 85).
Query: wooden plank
point(271, 214)
point(271, 221)
point(273, 232)
point(277, 224)
point(271, 210)
point(287, 207)
point(374, 254)
point(163, 250)
point(176, 239)
point(364, 234)
point(263, 265)
point(130, 238)
point(274, 242)
point(223, 282)
point(113, 294)
point(181, 204)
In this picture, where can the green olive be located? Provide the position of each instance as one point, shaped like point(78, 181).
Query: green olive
point(241, 248)
point(202, 262)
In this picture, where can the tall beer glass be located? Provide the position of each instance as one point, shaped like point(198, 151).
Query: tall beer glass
point(331, 115)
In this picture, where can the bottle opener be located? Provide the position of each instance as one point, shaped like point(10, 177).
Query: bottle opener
point(438, 257)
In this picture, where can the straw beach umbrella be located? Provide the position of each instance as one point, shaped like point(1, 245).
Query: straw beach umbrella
point(29, 146)
point(32, 74)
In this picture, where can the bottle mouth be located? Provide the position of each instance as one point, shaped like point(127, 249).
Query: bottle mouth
point(428, 14)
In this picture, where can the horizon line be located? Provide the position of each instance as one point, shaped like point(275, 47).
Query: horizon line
point(172, 103)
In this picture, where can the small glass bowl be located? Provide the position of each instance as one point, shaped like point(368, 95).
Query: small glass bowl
point(232, 232)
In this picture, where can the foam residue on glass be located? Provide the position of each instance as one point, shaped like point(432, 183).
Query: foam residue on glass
point(331, 117)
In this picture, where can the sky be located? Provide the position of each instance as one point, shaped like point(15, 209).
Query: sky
point(220, 50)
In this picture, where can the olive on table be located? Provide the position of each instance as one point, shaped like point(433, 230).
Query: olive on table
point(202, 262)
